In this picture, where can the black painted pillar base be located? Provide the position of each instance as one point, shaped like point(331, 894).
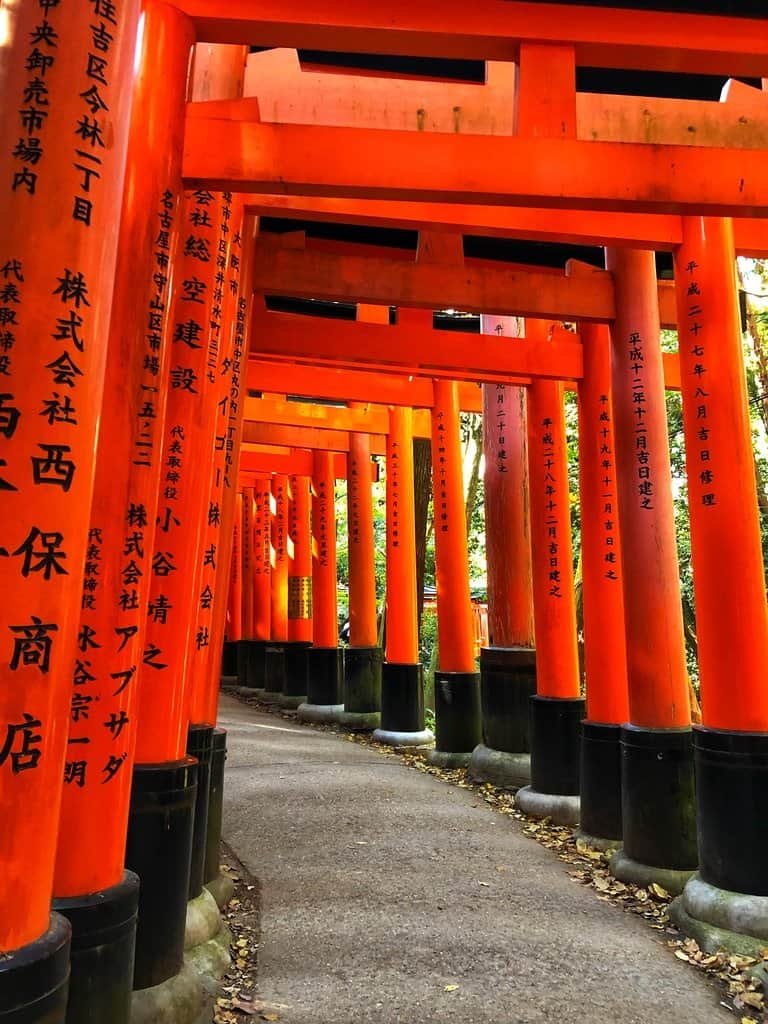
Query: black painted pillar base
point(325, 685)
point(296, 673)
point(274, 671)
point(362, 688)
point(199, 743)
point(458, 720)
point(34, 978)
point(726, 903)
point(601, 825)
point(255, 665)
point(241, 662)
point(215, 806)
point(159, 849)
point(507, 683)
point(101, 961)
point(229, 659)
point(402, 707)
point(555, 760)
point(658, 807)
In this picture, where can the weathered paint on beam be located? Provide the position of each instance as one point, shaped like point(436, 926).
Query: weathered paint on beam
point(558, 173)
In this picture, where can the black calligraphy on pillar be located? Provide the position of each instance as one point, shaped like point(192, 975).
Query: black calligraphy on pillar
point(552, 511)
point(701, 469)
point(608, 485)
point(645, 483)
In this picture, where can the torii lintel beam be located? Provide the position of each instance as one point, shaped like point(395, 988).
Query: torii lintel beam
point(372, 419)
point(256, 461)
point(657, 231)
point(305, 437)
point(324, 382)
point(492, 30)
point(369, 163)
point(473, 286)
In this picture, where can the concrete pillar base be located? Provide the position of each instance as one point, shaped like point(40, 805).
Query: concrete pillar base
point(222, 889)
point(228, 682)
point(598, 843)
point(628, 870)
point(203, 920)
point(562, 809)
point(360, 721)
point(449, 758)
point(181, 999)
point(404, 740)
point(719, 919)
point(289, 702)
point(324, 713)
point(510, 771)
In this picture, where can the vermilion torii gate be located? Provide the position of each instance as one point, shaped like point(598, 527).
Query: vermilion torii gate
point(153, 303)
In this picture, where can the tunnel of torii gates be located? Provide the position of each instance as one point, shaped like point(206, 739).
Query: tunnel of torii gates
point(159, 492)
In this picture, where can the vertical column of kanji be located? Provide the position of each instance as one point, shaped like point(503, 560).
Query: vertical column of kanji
point(240, 262)
point(508, 664)
point(66, 81)
point(91, 850)
point(605, 650)
point(254, 648)
point(326, 664)
point(402, 684)
point(221, 353)
point(159, 849)
point(274, 658)
point(233, 630)
point(732, 627)
point(363, 657)
point(557, 708)
point(299, 594)
point(457, 683)
point(246, 567)
point(659, 827)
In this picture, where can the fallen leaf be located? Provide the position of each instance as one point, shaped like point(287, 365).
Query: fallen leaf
point(451, 988)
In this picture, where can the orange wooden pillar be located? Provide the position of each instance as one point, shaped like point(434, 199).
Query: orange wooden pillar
point(557, 708)
point(63, 167)
point(731, 623)
point(363, 657)
point(161, 853)
point(508, 664)
point(457, 683)
point(253, 650)
point(299, 594)
point(605, 651)
point(92, 838)
point(657, 770)
point(274, 665)
point(325, 686)
point(402, 685)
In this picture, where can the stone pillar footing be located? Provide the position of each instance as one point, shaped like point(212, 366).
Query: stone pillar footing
point(222, 888)
point(562, 808)
point(362, 688)
point(601, 816)
point(159, 850)
point(507, 683)
point(719, 919)
point(457, 716)
point(34, 979)
point(598, 843)
point(628, 870)
point(103, 942)
point(499, 767)
point(322, 713)
point(448, 759)
point(404, 740)
point(180, 999)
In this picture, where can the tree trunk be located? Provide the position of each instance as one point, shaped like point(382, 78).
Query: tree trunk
point(422, 486)
point(474, 476)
